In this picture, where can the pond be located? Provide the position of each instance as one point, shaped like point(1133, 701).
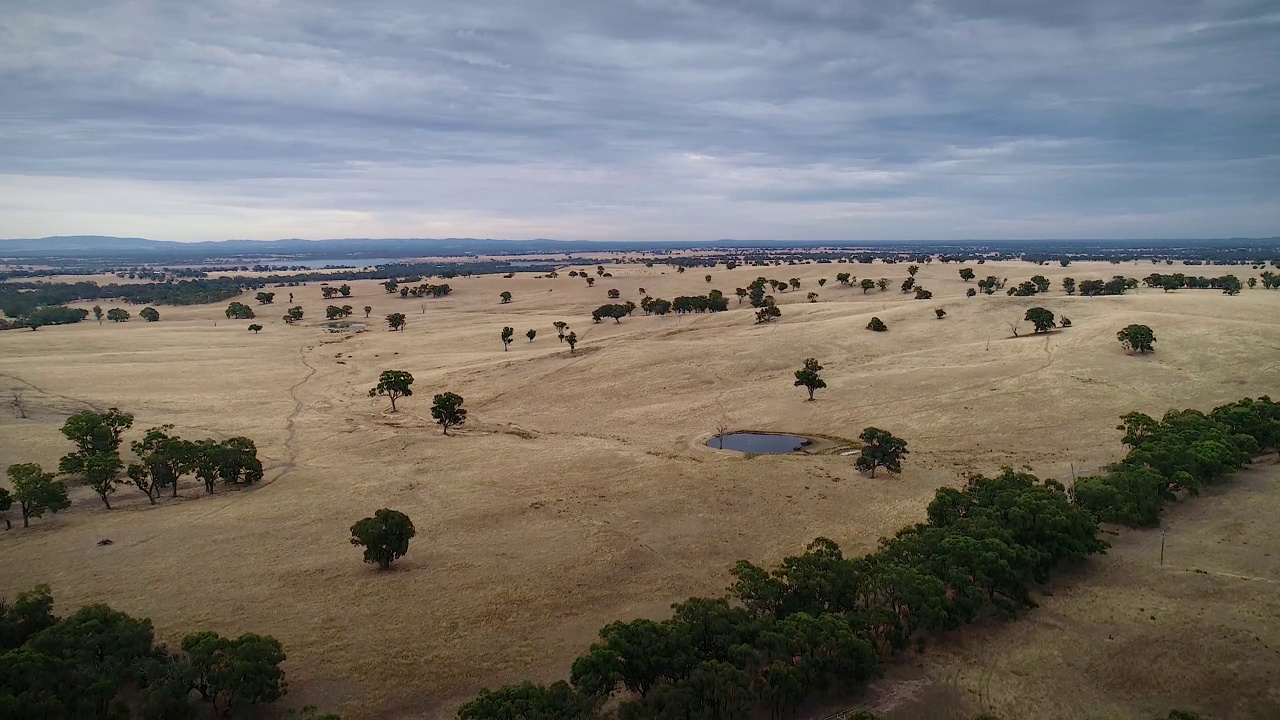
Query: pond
point(759, 443)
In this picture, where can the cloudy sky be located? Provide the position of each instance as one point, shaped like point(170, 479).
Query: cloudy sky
point(648, 119)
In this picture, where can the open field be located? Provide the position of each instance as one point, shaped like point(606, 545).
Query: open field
point(580, 492)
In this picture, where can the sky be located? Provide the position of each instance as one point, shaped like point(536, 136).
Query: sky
point(641, 120)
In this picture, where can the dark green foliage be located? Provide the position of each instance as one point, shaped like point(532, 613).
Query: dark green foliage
point(265, 298)
point(877, 325)
point(768, 313)
point(384, 537)
point(940, 313)
point(909, 284)
point(560, 327)
point(808, 377)
point(614, 294)
point(881, 449)
point(1041, 283)
point(912, 270)
point(393, 384)
point(922, 294)
point(334, 312)
point(505, 297)
point(1137, 338)
point(396, 321)
point(239, 311)
point(234, 461)
point(1041, 318)
point(255, 328)
point(843, 278)
point(572, 340)
point(6, 502)
point(615, 311)
point(100, 663)
point(118, 315)
point(229, 673)
point(867, 284)
point(162, 460)
point(966, 274)
point(1069, 285)
point(97, 458)
point(35, 491)
point(447, 409)
point(295, 314)
point(1180, 453)
point(149, 314)
point(527, 701)
point(970, 292)
point(508, 334)
point(531, 334)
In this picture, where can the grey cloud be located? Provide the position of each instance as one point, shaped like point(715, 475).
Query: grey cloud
point(678, 118)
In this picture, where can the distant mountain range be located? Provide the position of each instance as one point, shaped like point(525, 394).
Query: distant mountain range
point(103, 246)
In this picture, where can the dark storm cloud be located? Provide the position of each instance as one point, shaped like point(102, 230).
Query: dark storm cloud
point(653, 118)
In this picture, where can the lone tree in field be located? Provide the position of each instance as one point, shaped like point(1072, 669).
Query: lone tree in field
point(531, 334)
point(572, 339)
point(822, 282)
point(149, 314)
point(396, 321)
point(1039, 317)
point(1137, 338)
point(295, 313)
point(118, 315)
point(880, 449)
point(883, 284)
point(256, 328)
point(390, 286)
point(867, 284)
point(265, 298)
point(97, 313)
point(239, 311)
point(560, 327)
point(812, 297)
point(394, 384)
point(384, 537)
point(940, 313)
point(367, 309)
point(507, 335)
point(843, 278)
point(912, 270)
point(966, 274)
point(505, 296)
point(614, 294)
point(35, 491)
point(768, 313)
point(922, 294)
point(970, 292)
point(808, 377)
point(591, 281)
point(877, 325)
point(1069, 285)
point(447, 410)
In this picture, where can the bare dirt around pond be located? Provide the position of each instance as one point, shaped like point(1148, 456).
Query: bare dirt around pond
point(574, 496)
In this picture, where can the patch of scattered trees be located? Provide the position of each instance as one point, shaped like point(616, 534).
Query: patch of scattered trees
point(1228, 284)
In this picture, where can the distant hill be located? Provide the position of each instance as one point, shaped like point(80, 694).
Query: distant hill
point(100, 247)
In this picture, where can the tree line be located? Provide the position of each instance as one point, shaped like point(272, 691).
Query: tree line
point(822, 623)
point(163, 459)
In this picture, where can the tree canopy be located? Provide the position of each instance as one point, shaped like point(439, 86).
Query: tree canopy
point(1041, 318)
point(880, 449)
point(808, 377)
point(1137, 338)
point(393, 384)
point(447, 410)
point(384, 537)
point(35, 491)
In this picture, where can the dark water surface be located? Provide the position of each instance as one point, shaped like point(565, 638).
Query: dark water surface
point(761, 443)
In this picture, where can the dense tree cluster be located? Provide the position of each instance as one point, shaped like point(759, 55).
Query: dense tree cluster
point(424, 290)
point(37, 318)
point(1228, 284)
point(1115, 286)
point(99, 663)
point(328, 292)
point(238, 311)
point(21, 299)
point(615, 311)
point(1180, 453)
point(714, 301)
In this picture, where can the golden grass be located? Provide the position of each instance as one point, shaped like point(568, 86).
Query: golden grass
point(578, 493)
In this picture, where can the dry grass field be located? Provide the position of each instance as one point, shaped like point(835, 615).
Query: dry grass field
point(580, 490)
